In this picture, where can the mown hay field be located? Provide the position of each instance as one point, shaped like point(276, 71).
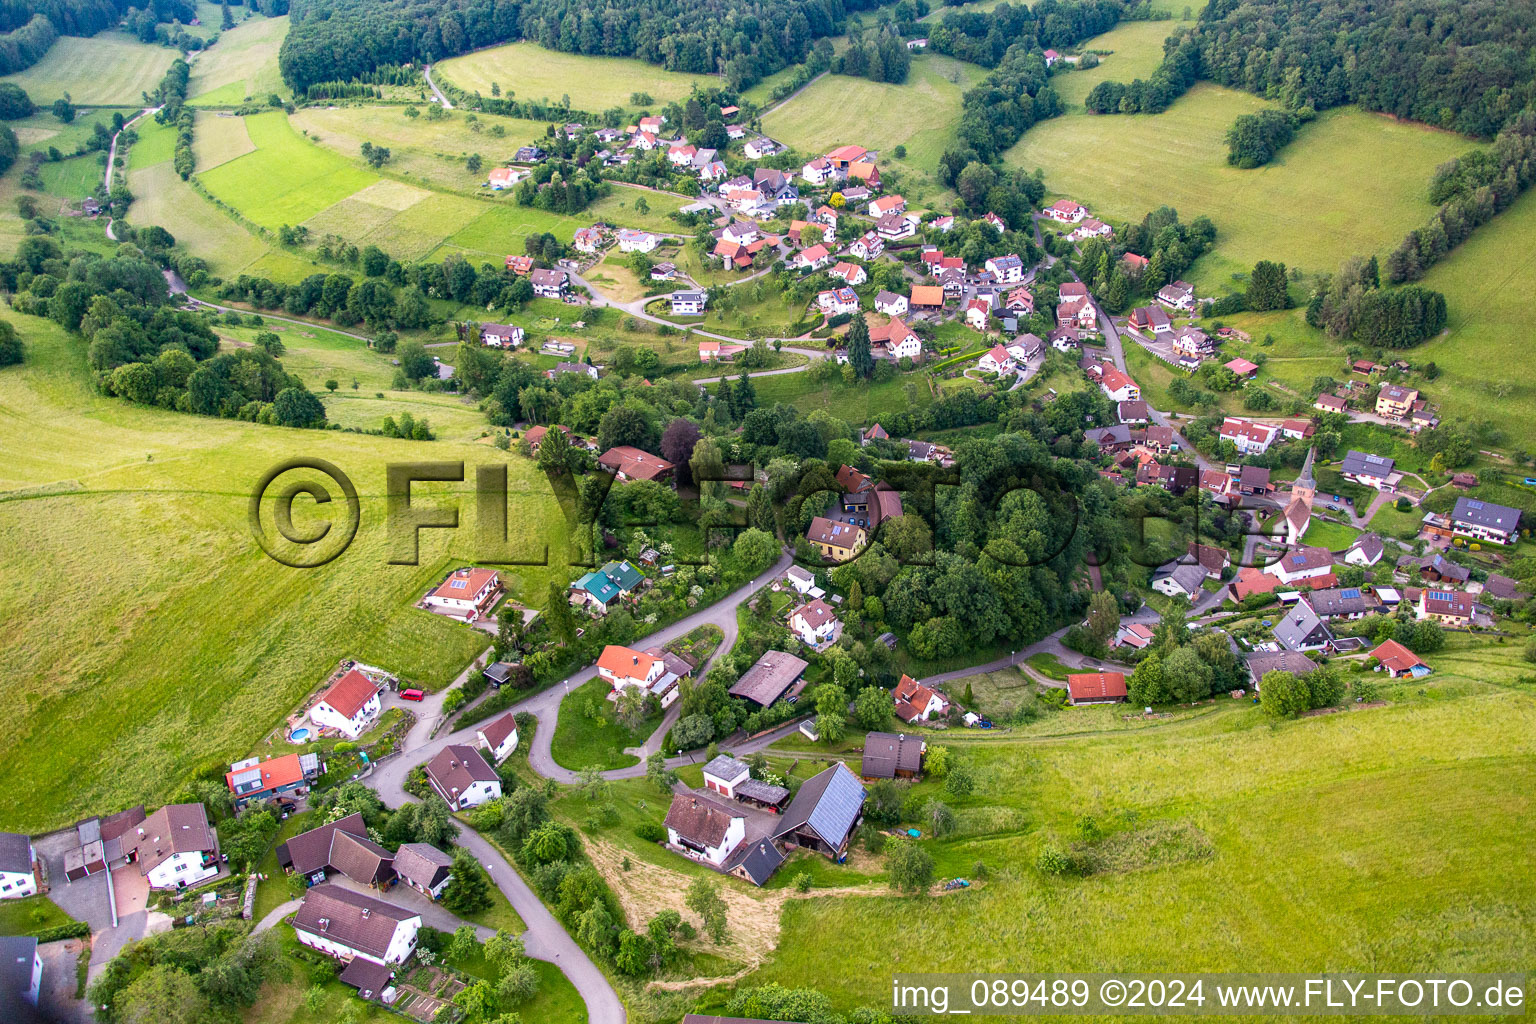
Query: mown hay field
point(109, 69)
point(241, 65)
point(527, 71)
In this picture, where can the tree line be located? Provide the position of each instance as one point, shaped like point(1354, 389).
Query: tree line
point(985, 39)
point(744, 42)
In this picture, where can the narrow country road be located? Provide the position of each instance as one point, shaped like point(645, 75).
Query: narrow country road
point(106, 181)
point(427, 73)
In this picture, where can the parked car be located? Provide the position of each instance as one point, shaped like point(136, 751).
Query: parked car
point(412, 694)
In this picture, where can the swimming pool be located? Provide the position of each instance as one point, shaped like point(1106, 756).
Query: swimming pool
point(299, 735)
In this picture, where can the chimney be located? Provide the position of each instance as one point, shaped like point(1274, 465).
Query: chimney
point(325, 923)
point(367, 913)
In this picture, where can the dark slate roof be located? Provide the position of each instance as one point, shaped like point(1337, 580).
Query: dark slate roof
point(766, 681)
point(342, 912)
point(17, 953)
point(367, 977)
point(760, 790)
point(1189, 576)
point(1362, 463)
point(828, 804)
point(759, 860)
point(1485, 514)
point(15, 853)
point(886, 753)
point(1301, 628)
point(422, 863)
point(724, 766)
point(1293, 662)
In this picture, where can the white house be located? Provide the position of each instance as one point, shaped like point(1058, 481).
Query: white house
point(346, 924)
point(1066, 211)
point(622, 667)
point(17, 861)
point(995, 360)
point(588, 240)
point(637, 241)
point(1303, 563)
point(814, 623)
point(976, 313)
point(886, 204)
point(501, 335)
point(424, 868)
point(813, 258)
point(1249, 437)
point(463, 777)
point(893, 227)
point(891, 304)
point(688, 303)
point(724, 773)
point(1091, 228)
point(1179, 295)
point(350, 706)
point(704, 830)
point(818, 171)
point(469, 592)
point(867, 246)
point(801, 579)
point(916, 702)
point(837, 301)
point(851, 273)
point(21, 974)
point(175, 847)
point(499, 738)
point(1177, 579)
point(760, 147)
point(1009, 269)
point(1117, 385)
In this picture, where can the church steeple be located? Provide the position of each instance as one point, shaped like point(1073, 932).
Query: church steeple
point(1305, 486)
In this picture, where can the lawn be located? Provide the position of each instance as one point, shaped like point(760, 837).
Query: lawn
point(1330, 535)
point(242, 65)
point(109, 69)
point(1322, 849)
point(527, 71)
point(287, 179)
point(1303, 209)
point(122, 647)
point(30, 916)
point(1047, 664)
point(1136, 50)
point(840, 109)
point(582, 740)
point(862, 403)
point(156, 144)
point(218, 138)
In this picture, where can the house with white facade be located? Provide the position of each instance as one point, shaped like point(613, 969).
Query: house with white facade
point(350, 706)
point(499, 738)
point(724, 773)
point(995, 360)
point(801, 579)
point(18, 864)
point(1249, 437)
point(623, 667)
point(891, 304)
point(838, 301)
point(1009, 269)
point(1304, 563)
point(21, 976)
point(175, 847)
point(424, 868)
point(462, 777)
point(501, 335)
point(703, 829)
point(1117, 384)
point(1065, 211)
point(637, 241)
point(347, 925)
point(814, 623)
point(469, 592)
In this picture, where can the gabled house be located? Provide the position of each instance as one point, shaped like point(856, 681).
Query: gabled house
point(1330, 403)
point(867, 246)
point(1179, 579)
point(501, 335)
point(760, 147)
point(814, 623)
point(600, 589)
point(351, 705)
point(977, 313)
point(770, 677)
point(1009, 269)
point(886, 205)
point(1485, 521)
point(1096, 687)
point(995, 360)
point(1399, 662)
point(851, 274)
point(630, 463)
point(1021, 301)
point(499, 738)
point(894, 340)
point(623, 667)
point(1066, 211)
point(838, 301)
point(893, 227)
point(1302, 564)
point(349, 925)
point(891, 304)
point(1247, 436)
point(549, 284)
point(916, 702)
point(707, 831)
point(1135, 635)
point(637, 241)
point(1178, 295)
point(892, 756)
point(255, 779)
point(175, 847)
point(338, 846)
point(1091, 228)
point(18, 866)
point(1261, 664)
point(927, 296)
point(1447, 607)
point(837, 541)
point(813, 258)
point(824, 813)
point(689, 303)
point(1150, 319)
point(462, 777)
point(1303, 630)
point(424, 868)
point(1117, 385)
point(1394, 401)
point(1370, 470)
point(470, 592)
point(1365, 551)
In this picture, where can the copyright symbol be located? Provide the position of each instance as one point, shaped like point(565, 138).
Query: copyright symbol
point(1112, 992)
point(290, 544)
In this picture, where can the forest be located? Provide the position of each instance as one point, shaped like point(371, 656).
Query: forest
point(344, 39)
point(1458, 65)
point(986, 38)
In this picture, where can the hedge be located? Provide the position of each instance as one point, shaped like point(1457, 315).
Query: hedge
point(73, 930)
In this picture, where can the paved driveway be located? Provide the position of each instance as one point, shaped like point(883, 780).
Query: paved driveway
point(57, 999)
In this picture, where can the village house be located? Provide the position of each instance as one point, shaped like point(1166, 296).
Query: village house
point(995, 360)
point(1297, 430)
point(663, 271)
point(1485, 521)
point(893, 227)
point(1433, 568)
point(1020, 301)
point(1330, 403)
point(891, 756)
point(701, 829)
point(175, 847)
point(1025, 347)
point(1179, 295)
point(560, 369)
point(916, 702)
point(770, 678)
point(1150, 319)
point(255, 779)
point(1394, 401)
point(688, 303)
point(535, 435)
point(1261, 664)
point(1249, 437)
point(867, 246)
point(599, 589)
point(994, 222)
point(1009, 269)
point(637, 241)
point(1193, 343)
point(838, 301)
point(818, 171)
point(462, 777)
point(424, 868)
point(1302, 564)
point(1066, 211)
point(1117, 385)
point(1136, 635)
point(927, 296)
point(824, 813)
point(1303, 630)
point(549, 284)
point(588, 240)
point(352, 925)
point(837, 541)
point(814, 623)
point(890, 303)
point(340, 846)
point(886, 205)
point(1366, 550)
point(1174, 479)
point(629, 463)
point(469, 592)
point(1399, 662)
point(874, 433)
point(1134, 262)
point(1370, 470)
point(977, 313)
point(352, 704)
point(522, 266)
point(724, 773)
point(502, 178)
point(1096, 687)
point(895, 340)
point(499, 738)
point(1179, 579)
point(18, 866)
point(813, 258)
point(851, 273)
point(501, 335)
point(760, 147)
point(1253, 480)
point(1091, 228)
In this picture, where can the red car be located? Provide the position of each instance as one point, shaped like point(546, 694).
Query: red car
point(411, 695)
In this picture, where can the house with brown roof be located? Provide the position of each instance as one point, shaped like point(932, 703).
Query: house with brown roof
point(1330, 403)
point(892, 756)
point(462, 777)
point(815, 623)
point(836, 540)
point(1261, 664)
point(350, 706)
point(1447, 607)
point(346, 925)
point(175, 847)
point(341, 845)
point(469, 592)
point(703, 829)
point(916, 702)
point(1096, 687)
point(629, 463)
point(770, 678)
point(499, 738)
point(549, 284)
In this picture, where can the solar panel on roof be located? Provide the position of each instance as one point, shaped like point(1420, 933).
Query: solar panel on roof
point(1350, 593)
point(839, 805)
point(1474, 504)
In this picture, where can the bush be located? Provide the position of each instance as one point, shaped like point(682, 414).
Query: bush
point(73, 930)
point(1052, 861)
point(651, 832)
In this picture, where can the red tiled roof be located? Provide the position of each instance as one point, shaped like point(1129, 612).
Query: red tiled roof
point(1096, 685)
point(351, 692)
point(1394, 657)
point(625, 662)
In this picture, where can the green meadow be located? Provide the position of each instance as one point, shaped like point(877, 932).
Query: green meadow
point(286, 179)
point(110, 68)
point(241, 66)
point(527, 71)
point(143, 619)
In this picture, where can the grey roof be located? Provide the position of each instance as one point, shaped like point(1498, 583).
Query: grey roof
point(1365, 464)
point(1485, 514)
point(15, 853)
point(1503, 587)
point(1370, 545)
point(1293, 662)
point(724, 766)
point(828, 804)
point(422, 863)
point(1446, 568)
point(367, 977)
point(1341, 601)
point(17, 954)
point(760, 790)
point(1302, 628)
point(886, 753)
point(759, 860)
point(766, 681)
point(1188, 575)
